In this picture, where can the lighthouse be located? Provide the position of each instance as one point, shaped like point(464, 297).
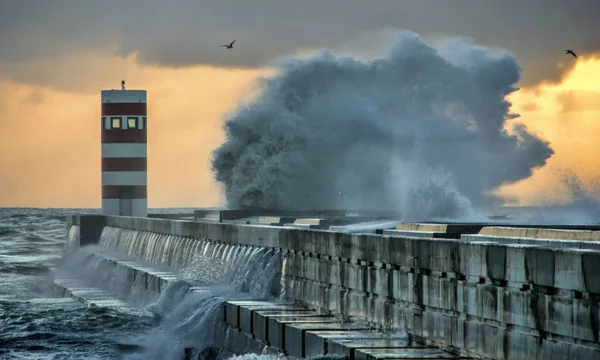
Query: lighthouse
point(124, 152)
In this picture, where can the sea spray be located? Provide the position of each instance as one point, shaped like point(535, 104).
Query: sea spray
point(104, 269)
point(189, 315)
point(420, 131)
point(195, 321)
point(583, 207)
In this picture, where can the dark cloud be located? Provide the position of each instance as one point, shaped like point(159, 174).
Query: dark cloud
point(187, 32)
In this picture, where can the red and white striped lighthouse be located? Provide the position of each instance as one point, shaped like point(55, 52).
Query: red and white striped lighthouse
point(124, 152)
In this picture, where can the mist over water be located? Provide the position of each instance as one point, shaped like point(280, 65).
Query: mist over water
point(583, 208)
point(419, 131)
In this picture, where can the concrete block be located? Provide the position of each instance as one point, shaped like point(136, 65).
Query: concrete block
point(295, 334)
point(406, 353)
point(415, 234)
point(371, 247)
point(276, 327)
point(401, 316)
point(422, 227)
point(301, 226)
point(334, 272)
point(473, 259)
point(316, 342)
point(580, 352)
point(372, 305)
point(307, 223)
point(503, 231)
point(489, 303)
point(357, 277)
point(260, 323)
point(274, 220)
point(446, 228)
point(247, 311)
point(232, 315)
point(470, 303)
point(402, 286)
point(347, 347)
point(245, 319)
point(515, 264)
point(539, 233)
point(310, 221)
point(591, 271)
point(491, 341)
point(585, 319)
point(473, 335)
point(520, 345)
point(445, 332)
point(449, 294)
point(357, 304)
point(383, 282)
point(265, 236)
point(568, 271)
point(558, 318)
point(540, 266)
point(401, 252)
point(518, 308)
point(364, 227)
point(496, 262)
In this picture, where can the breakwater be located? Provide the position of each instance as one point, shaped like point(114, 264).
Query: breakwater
point(483, 296)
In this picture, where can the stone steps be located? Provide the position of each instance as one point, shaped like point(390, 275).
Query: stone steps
point(91, 296)
point(271, 327)
point(163, 276)
point(94, 296)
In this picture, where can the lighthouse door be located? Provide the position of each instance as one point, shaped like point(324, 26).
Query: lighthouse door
point(126, 201)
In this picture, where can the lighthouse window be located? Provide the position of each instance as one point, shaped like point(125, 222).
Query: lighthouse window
point(116, 122)
point(131, 122)
point(142, 122)
point(106, 122)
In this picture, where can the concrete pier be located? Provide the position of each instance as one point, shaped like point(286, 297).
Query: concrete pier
point(474, 292)
point(308, 336)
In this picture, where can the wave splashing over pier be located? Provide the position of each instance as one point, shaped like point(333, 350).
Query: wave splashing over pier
point(201, 275)
point(420, 131)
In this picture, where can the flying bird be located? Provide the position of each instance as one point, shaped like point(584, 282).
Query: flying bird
point(230, 46)
point(566, 52)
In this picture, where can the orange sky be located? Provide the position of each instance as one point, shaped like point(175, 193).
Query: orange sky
point(50, 140)
point(568, 116)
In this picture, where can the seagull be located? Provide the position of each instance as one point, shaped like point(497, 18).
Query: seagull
point(230, 46)
point(566, 52)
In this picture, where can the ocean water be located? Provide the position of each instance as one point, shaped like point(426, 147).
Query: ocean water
point(38, 323)
point(35, 323)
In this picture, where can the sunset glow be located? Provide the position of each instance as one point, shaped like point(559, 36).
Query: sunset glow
point(50, 139)
point(566, 114)
point(50, 149)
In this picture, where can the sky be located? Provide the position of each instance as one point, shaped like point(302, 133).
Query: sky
point(55, 57)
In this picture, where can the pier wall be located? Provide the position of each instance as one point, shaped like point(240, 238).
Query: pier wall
point(479, 298)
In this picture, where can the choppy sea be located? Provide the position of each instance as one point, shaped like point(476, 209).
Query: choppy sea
point(37, 323)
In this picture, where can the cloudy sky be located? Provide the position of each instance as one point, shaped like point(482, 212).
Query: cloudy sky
point(55, 57)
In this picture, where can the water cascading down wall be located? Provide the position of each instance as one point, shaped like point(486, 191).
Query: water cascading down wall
point(161, 258)
point(481, 299)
